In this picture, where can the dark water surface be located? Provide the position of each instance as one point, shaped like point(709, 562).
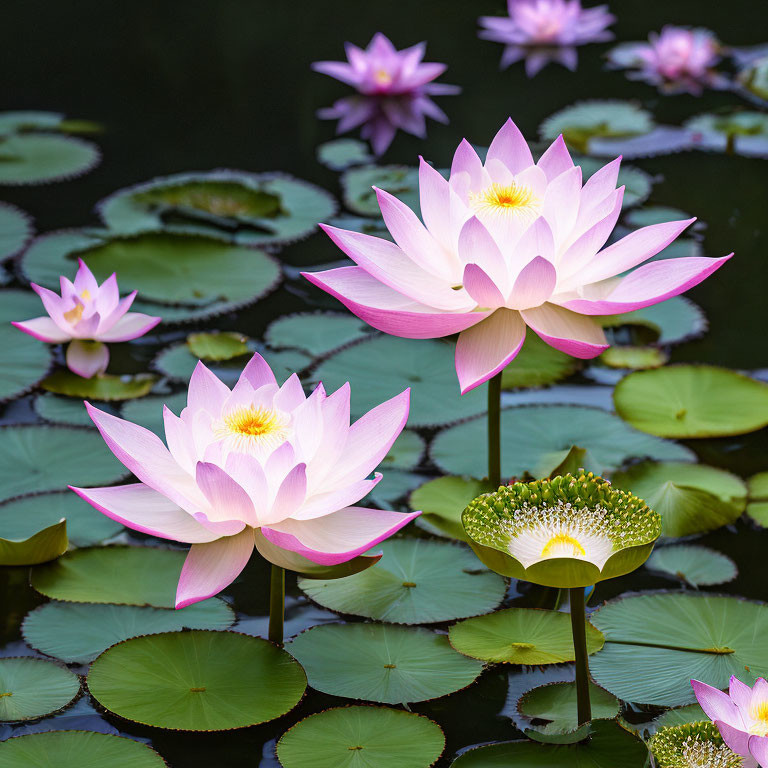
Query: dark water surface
point(198, 85)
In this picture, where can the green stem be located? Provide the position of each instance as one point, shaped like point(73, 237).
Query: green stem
point(494, 431)
point(579, 627)
point(276, 604)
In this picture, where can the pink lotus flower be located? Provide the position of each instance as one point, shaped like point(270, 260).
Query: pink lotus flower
point(504, 245)
point(87, 314)
point(677, 59)
point(541, 31)
point(394, 89)
point(260, 460)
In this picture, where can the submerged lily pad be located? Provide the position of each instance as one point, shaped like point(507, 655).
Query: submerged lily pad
point(441, 502)
point(694, 565)
point(35, 457)
point(537, 438)
point(343, 153)
point(78, 632)
point(757, 509)
point(39, 158)
point(15, 229)
point(657, 643)
point(356, 737)
point(380, 662)
point(197, 680)
point(520, 636)
point(398, 180)
point(217, 345)
point(415, 582)
point(316, 333)
point(692, 401)
point(33, 687)
point(104, 386)
point(537, 365)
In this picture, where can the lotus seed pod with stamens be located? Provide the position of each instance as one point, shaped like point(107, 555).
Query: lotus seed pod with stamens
point(693, 745)
point(567, 531)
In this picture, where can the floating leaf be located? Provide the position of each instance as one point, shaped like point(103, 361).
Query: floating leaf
point(78, 632)
point(537, 365)
point(441, 502)
point(398, 180)
point(692, 713)
point(675, 320)
point(354, 737)
point(405, 453)
point(395, 485)
point(746, 133)
point(692, 401)
point(20, 121)
point(520, 636)
point(43, 545)
point(343, 153)
point(32, 688)
point(416, 582)
point(757, 509)
point(65, 410)
point(657, 643)
point(691, 498)
point(694, 565)
point(634, 357)
point(104, 386)
point(380, 662)
point(44, 458)
point(217, 345)
point(649, 215)
point(382, 367)
point(537, 438)
point(77, 749)
point(15, 228)
point(38, 158)
point(315, 332)
point(662, 140)
point(197, 680)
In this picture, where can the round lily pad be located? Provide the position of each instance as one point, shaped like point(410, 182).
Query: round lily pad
point(77, 749)
point(691, 498)
point(382, 367)
point(537, 365)
point(45, 458)
point(639, 358)
point(537, 438)
point(380, 662)
point(24, 516)
point(757, 509)
point(675, 320)
point(31, 688)
point(78, 632)
point(67, 410)
point(692, 401)
point(405, 453)
point(217, 345)
point(148, 411)
point(359, 737)
point(398, 180)
point(657, 643)
point(104, 386)
point(441, 502)
point(22, 120)
point(316, 333)
point(520, 636)
point(197, 680)
point(15, 229)
point(38, 158)
point(121, 575)
point(416, 582)
point(694, 565)
point(343, 153)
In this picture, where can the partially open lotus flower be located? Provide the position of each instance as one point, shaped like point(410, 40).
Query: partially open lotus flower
point(543, 31)
point(87, 315)
point(677, 59)
point(569, 531)
point(693, 745)
point(258, 463)
point(504, 245)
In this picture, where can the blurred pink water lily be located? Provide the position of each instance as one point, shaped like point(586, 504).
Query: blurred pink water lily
point(543, 31)
point(504, 245)
point(741, 716)
point(677, 59)
point(260, 458)
point(393, 91)
point(87, 314)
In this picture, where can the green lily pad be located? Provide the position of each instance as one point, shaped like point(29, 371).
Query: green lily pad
point(405, 453)
point(394, 488)
point(343, 153)
point(657, 643)
point(15, 230)
point(691, 498)
point(537, 365)
point(609, 746)
point(416, 582)
point(148, 411)
point(745, 132)
point(66, 410)
point(537, 438)
point(399, 180)
point(40, 547)
point(692, 401)
point(380, 662)
point(694, 565)
point(362, 737)
point(316, 333)
point(757, 509)
point(32, 688)
point(638, 358)
point(105, 386)
point(197, 680)
point(21, 121)
point(692, 713)
point(36, 457)
point(441, 502)
point(121, 575)
point(78, 632)
point(217, 345)
point(520, 636)
point(77, 749)
point(24, 516)
point(25, 361)
point(654, 214)
point(39, 158)
point(382, 367)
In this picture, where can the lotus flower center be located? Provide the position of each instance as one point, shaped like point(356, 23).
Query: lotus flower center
point(382, 77)
point(759, 713)
point(504, 198)
point(563, 545)
point(705, 754)
point(253, 429)
point(548, 30)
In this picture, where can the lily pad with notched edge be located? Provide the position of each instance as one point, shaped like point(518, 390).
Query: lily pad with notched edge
point(104, 386)
point(694, 565)
point(217, 345)
point(343, 153)
point(15, 230)
point(197, 680)
point(398, 180)
point(33, 687)
point(40, 158)
point(316, 333)
point(66, 410)
point(441, 502)
point(757, 508)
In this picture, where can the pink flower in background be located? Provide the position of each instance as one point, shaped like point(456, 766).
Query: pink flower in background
point(504, 245)
point(393, 91)
point(87, 314)
point(260, 456)
point(541, 31)
point(677, 59)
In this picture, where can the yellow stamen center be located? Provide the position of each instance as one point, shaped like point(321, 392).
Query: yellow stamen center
point(382, 77)
point(563, 545)
point(504, 198)
point(251, 428)
point(73, 315)
point(759, 714)
point(85, 295)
